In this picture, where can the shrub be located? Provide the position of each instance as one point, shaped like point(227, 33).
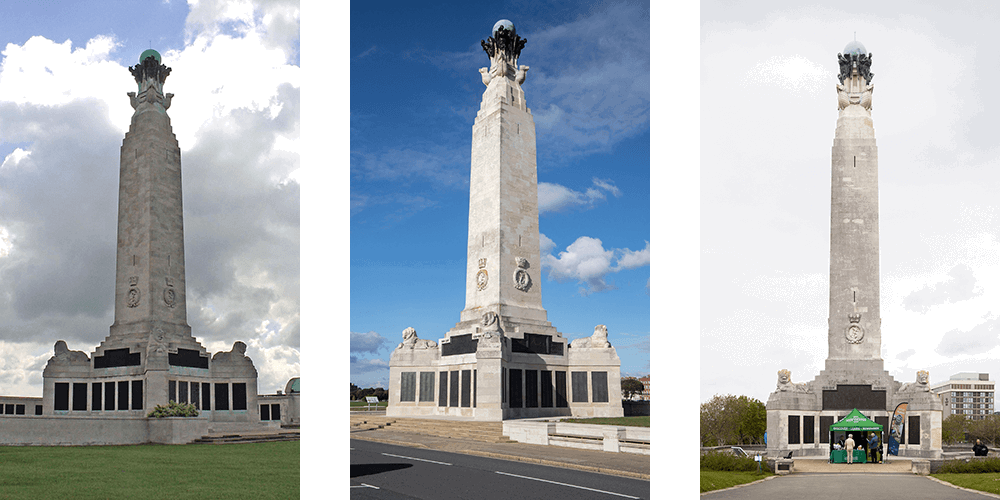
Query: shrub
point(971, 466)
point(174, 409)
point(714, 460)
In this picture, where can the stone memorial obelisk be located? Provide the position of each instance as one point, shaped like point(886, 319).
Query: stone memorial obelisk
point(150, 356)
point(503, 359)
point(799, 415)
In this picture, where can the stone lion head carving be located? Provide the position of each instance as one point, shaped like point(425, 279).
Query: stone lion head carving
point(409, 334)
point(784, 377)
point(61, 348)
point(601, 333)
point(922, 377)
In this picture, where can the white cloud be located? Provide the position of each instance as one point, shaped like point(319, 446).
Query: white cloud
point(555, 197)
point(794, 73)
point(370, 342)
point(586, 261)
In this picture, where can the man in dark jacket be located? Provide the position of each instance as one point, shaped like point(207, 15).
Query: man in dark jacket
point(873, 448)
point(980, 449)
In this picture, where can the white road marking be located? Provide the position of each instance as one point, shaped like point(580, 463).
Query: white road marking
point(363, 485)
point(411, 458)
point(564, 484)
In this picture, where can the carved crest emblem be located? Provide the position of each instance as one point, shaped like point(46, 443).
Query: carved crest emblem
point(133, 297)
point(855, 334)
point(522, 280)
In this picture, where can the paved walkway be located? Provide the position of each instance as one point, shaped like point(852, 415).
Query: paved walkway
point(893, 466)
point(619, 464)
point(847, 486)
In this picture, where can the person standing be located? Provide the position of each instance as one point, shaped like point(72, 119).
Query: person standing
point(849, 446)
point(980, 449)
point(873, 448)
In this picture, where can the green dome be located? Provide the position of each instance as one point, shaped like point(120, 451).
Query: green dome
point(147, 53)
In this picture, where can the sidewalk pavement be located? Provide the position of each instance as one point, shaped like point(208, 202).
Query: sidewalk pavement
point(618, 464)
point(822, 465)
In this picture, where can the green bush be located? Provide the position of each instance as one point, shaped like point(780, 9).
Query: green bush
point(174, 409)
point(715, 460)
point(973, 466)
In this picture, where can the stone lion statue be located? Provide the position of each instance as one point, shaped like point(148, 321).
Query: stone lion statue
point(597, 340)
point(237, 354)
point(921, 385)
point(63, 354)
point(785, 383)
point(411, 341)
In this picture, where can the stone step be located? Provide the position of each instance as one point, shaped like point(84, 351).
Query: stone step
point(491, 432)
point(248, 438)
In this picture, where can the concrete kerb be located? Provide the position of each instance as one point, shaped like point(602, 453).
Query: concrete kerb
point(946, 483)
point(739, 485)
point(389, 441)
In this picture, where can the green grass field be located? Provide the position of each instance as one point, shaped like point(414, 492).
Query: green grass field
point(988, 482)
point(237, 471)
point(718, 479)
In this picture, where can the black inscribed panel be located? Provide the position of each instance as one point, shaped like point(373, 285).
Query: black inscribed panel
point(96, 396)
point(556, 349)
point(172, 390)
point(503, 385)
point(265, 412)
point(515, 388)
point(599, 381)
point(848, 397)
point(793, 429)
point(123, 395)
point(276, 412)
point(466, 388)
point(109, 396)
point(116, 357)
point(8, 409)
point(19, 410)
point(443, 389)
point(532, 344)
point(459, 344)
point(182, 392)
point(579, 380)
point(531, 388)
point(561, 401)
point(189, 358)
point(473, 388)
point(62, 396)
point(546, 389)
point(824, 428)
point(196, 394)
point(453, 389)
point(206, 396)
point(240, 396)
point(38, 409)
point(808, 429)
point(407, 386)
point(221, 396)
point(137, 394)
point(79, 396)
point(884, 422)
point(426, 386)
point(913, 429)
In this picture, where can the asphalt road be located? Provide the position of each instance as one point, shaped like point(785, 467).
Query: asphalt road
point(384, 471)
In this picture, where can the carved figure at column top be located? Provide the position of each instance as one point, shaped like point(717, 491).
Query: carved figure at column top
point(236, 355)
point(503, 46)
point(785, 383)
point(150, 75)
point(855, 77)
point(596, 341)
point(64, 355)
point(411, 341)
point(921, 385)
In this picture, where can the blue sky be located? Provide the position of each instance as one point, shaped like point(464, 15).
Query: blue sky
point(63, 114)
point(415, 90)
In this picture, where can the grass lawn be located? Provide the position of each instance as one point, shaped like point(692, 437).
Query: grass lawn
point(237, 471)
point(718, 479)
point(988, 481)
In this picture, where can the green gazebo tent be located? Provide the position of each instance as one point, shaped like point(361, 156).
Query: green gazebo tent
point(854, 421)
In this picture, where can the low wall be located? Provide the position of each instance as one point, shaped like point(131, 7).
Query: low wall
point(86, 430)
point(621, 439)
point(635, 408)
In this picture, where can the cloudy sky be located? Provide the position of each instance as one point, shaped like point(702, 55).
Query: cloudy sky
point(63, 114)
point(415, 91)
point(768, 113)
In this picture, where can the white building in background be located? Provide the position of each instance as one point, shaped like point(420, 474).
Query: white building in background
point(969, 394)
